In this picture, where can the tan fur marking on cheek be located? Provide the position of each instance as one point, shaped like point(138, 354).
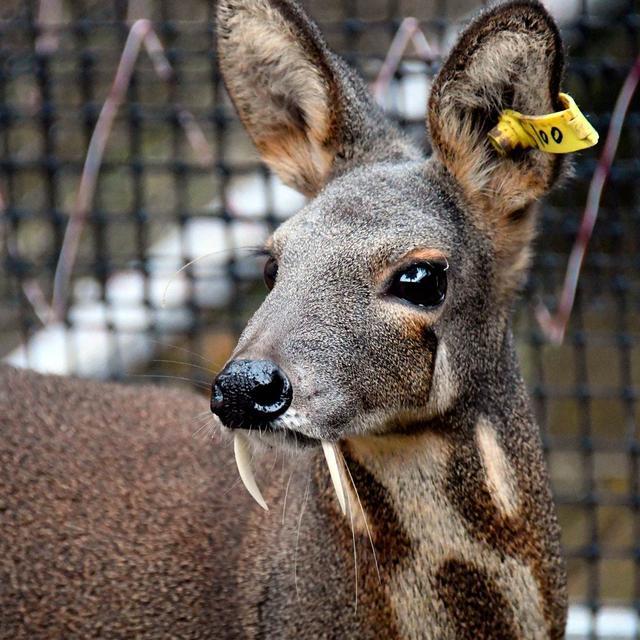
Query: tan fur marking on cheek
point(412, 327)
point(499, 475)
point(444, 387)
point(411, 323)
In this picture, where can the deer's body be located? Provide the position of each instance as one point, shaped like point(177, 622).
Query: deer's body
point(116, 522)
point(114, 519)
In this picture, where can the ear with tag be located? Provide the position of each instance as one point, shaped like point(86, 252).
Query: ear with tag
point(308, 113)
point(510, 58)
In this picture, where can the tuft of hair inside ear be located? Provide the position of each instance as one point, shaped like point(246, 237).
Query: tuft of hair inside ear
point(509, 58)
point(271, 71)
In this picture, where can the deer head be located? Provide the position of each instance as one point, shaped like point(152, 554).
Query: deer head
point(390, 291)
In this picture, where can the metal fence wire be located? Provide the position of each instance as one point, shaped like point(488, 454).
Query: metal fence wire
point(90, 281)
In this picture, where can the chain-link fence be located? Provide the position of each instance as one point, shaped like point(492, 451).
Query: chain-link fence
point(94, 242)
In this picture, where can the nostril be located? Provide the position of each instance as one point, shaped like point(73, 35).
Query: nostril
point(217, 397)
point(265, 393)
point(271, 395)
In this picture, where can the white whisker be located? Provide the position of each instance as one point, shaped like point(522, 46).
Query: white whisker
point(355, 551)
point(275, 459)
point(188, 364)
point(232, 486)
point(196, 383)
point(284, 458)
point(203, 428)
point(179, 348)
point(364, 517)
point(192, 262)
point(206, 423)
point(286, 493)
point(205, 415)
point(295, 555)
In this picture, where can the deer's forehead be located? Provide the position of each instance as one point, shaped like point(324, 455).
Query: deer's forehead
point(374, 214)
point(360, 240)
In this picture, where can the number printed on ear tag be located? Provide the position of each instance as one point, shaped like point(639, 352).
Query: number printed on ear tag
point(560, 132)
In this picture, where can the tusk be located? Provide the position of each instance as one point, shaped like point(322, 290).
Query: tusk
point(332, 462)
point(243, 460)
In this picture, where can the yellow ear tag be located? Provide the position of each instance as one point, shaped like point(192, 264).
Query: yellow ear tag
point(561, 132)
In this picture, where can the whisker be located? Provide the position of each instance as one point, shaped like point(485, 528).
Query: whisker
point(231, 487)
point(251, 250)
point(286, 493)
point(179, 348)
point(196, 383)
point(200, 418)
point(275, 460)
point(355, 551)
point(203, 428)
point(364, 517)
point(295, 555)
point(203, 414)
point(188, 364)
point(284, 458)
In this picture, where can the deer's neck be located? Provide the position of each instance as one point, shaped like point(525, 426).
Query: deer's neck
point(461, 520)
point(463, 525)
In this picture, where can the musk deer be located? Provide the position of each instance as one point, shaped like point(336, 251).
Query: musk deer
point(383, 348)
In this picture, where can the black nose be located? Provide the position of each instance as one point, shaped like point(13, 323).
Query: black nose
point(248, 393)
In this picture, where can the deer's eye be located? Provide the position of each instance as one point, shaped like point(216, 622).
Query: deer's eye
point(270, 272)
point(423, 284)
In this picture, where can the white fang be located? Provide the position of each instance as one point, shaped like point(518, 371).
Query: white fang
point(243, 461)
point(332, 462)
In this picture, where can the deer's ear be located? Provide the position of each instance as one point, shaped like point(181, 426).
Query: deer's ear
point(510, 58)
point(304, 108)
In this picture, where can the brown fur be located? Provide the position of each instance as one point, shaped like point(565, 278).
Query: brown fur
point(117, 523)
point(468, 594)
point(113, 517)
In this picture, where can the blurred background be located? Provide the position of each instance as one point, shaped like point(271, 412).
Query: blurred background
point(122, 161)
